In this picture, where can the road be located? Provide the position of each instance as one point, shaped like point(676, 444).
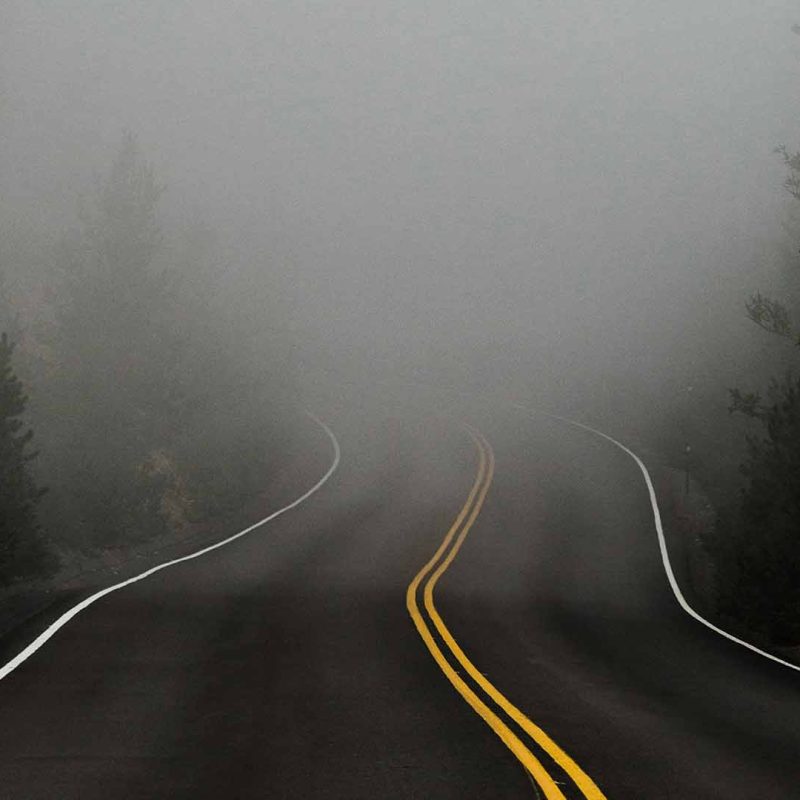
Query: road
point(287, 664)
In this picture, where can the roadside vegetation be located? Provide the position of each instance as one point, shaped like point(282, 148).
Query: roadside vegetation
point(756, 544)
point(148, 419)
point(22, 551)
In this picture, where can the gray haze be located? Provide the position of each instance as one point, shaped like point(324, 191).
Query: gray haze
point(581, 187)
point(400, 216)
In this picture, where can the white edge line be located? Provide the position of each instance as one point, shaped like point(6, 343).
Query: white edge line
point(43, 637)
point(662, 541)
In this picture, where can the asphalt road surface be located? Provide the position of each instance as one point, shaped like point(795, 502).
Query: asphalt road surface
point(287, 665)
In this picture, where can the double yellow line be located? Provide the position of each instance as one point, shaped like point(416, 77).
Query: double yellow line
point(428, 577)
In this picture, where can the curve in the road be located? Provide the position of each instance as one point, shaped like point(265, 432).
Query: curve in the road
point(662, 543)
point(430, 574)
point(68, 615)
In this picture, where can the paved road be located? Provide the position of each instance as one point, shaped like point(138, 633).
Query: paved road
point(287, 665)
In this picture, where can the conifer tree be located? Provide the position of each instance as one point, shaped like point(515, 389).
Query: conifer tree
point(19, 494)
point(118, 387)
point(120, 349)
point(757, 544)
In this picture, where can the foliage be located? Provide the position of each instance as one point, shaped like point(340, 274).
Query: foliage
point(19, 495)
point(758, 548)
point(156, 403)
point(757, 544)
point(747, 403)
point(770, 315)
point(792, 162)
point(116, 383)
point(115, 335)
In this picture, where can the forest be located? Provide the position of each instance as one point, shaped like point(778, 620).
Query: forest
point(628, 254)
point(129, 416)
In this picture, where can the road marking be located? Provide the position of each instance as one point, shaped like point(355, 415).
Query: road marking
point(581, 780)
point(50, 631)
point(662, 543)
point(431, 573)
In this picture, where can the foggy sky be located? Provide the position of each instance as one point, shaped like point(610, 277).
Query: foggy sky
point(574, 175)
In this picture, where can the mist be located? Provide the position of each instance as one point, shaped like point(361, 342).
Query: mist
point(290, 291)
point(581, 182)
point(565, 203)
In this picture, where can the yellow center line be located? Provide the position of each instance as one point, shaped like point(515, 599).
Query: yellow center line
point(509, 738)
point(470, 511)
point(578, 776)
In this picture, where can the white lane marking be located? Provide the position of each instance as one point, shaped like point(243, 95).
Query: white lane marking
point(662, 543)
point(25, 654)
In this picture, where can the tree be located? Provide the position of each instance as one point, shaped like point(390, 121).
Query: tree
point(757, 545)
point(772, 316)
point(19, 494)
point(118, 382)
point(9, 319)
point(116, 334)
point(759, 549)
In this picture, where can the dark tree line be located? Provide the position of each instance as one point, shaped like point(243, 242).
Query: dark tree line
point(148, 418)
point(757, 542)
point(115, 390)
point(19, 494)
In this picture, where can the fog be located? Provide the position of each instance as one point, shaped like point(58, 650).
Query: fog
point(563, 192)
point(241, 239)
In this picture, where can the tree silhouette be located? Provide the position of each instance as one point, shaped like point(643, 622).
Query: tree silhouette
point(119, 382)
point(19, 494)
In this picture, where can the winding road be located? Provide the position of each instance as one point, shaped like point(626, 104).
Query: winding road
point(459, 611)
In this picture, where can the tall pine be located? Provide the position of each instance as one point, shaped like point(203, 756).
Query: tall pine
point(19, 494)
point(119, 383)
point(757, 544)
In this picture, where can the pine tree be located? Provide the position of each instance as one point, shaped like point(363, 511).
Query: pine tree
point(757, 544)
point(19, 494)
point(119, 344)
point(118, 387)
point(758, 547)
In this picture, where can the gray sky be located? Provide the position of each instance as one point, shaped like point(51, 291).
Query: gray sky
point(588, 173)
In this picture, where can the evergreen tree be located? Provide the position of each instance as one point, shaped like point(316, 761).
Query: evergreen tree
point(119, 385)
point(19, 494)
point(9, 319)
point(758, 546)
point(118, 342)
